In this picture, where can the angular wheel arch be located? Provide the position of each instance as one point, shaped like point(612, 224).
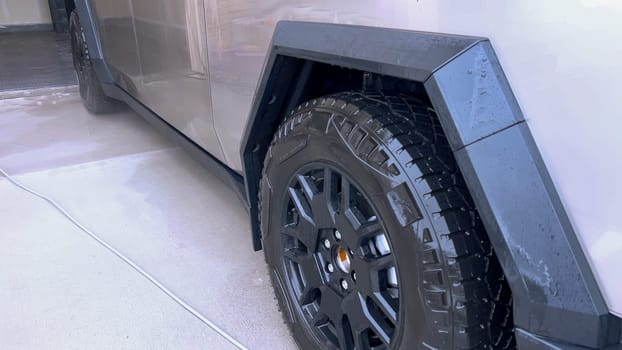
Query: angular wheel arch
point(555, 295)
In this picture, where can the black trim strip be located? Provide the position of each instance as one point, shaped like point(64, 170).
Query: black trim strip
point(216, 167)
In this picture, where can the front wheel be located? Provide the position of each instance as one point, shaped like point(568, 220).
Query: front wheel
point(371, 236)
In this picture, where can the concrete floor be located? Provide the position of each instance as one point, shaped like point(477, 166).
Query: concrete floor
point(59, 289)
point(31, 60)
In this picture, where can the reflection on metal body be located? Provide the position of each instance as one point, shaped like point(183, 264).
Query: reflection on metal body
point(560, 58)
point(158, 49)
point(155, 45)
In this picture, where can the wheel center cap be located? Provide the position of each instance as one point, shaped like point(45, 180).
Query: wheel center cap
point(342, 259)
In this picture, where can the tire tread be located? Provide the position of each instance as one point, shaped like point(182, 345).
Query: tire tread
point(473, 289)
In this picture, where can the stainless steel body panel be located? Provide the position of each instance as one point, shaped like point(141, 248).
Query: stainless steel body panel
point(162, 50)
point(561, 58)
point(118, 39)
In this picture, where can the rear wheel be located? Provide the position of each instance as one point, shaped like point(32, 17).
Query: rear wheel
point(371, 236)
point(91, 91)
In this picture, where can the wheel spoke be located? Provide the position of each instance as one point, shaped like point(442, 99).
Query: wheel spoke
point(307, 295)
point(385, 305)
point(377, 325)
point(296, 255)
point(301, 204)
point(330, 304)
point(363, 318)
point(323, 211)
point(367, 269)
point(344, 224)
point(308, 188)
point(364, 233)
point(305, 232)
point(381, 332)
point(345, 195)
point(369, 229)
point(353, 307)
point(310, 271)
point(344, 334)
point(381, 263)
point(319, 319)
point(361, 341)
point(328, 190)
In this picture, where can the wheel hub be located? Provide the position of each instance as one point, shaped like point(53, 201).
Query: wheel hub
point(342, 259)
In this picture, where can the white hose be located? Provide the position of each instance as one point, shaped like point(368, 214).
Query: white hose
point(128, 261)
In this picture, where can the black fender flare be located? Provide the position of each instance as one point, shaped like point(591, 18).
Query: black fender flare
point(555, 295)
point(88, 19)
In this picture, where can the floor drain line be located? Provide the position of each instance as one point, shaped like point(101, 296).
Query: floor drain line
point(129, 262)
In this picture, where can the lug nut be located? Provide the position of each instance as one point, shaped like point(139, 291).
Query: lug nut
point(330, 268)
point(344, 284)
point(326, 244)
point(354, 275)
point(337, 235)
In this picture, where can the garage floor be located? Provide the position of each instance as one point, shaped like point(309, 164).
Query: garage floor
point(34, 60)
point(60, 289)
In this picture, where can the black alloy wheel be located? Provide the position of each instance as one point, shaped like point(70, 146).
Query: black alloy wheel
point(339, 260)
point(95, 100)
point(371, 236)
point(79, 53)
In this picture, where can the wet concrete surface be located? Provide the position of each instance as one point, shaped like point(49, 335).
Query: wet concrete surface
point(35, 60)
point(59, 289)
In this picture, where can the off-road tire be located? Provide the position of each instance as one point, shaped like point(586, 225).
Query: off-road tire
point(453, 293)
point(95, 100)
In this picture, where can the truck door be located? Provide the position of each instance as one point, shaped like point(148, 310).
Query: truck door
point(172, 52)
